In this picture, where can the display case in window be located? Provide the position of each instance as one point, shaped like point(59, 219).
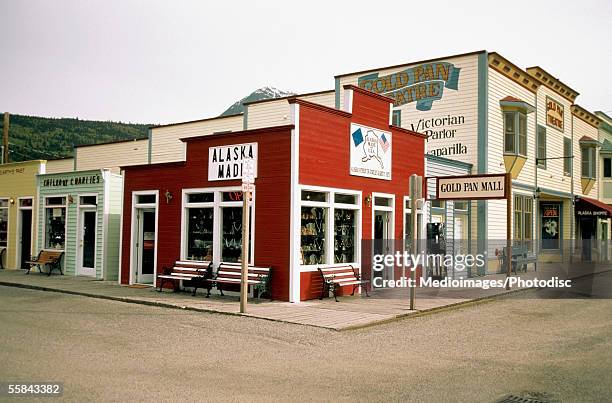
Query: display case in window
point(55, 227)
point(200, 233)
point(312, 235)
point(231, 239)
point(344, 236)
point(3, 227)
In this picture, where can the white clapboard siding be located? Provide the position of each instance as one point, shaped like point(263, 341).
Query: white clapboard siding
point(552, 177)
point(276, 112)
point(463, 102)
point(59, 166)
point(166, 145)
point(581, 128)
point(112, 155)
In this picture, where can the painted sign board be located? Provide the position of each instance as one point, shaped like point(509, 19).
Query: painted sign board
point(226, 162)
point(473, 187)
point(371, 151)
point(554, 114)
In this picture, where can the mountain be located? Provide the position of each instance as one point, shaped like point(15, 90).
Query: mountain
point(257, 95)
point(33, 137)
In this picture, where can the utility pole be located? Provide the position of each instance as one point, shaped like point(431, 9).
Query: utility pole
point(248, 187)
point(416, 190)
point(5, 141)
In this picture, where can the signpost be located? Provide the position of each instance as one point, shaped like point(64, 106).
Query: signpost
point(248, 187)
point(416, 193)
point(481, 187)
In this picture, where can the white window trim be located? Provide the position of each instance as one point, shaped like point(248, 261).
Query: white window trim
point(329, 227)
point(136, 206)
point(217, 205)
point(44, 220)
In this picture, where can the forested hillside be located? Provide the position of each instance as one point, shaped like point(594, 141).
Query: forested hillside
point(33, 137)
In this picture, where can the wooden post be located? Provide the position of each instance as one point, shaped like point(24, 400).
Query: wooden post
point(5, 141)
point(416, 183)
point(244, 284)
point(508, 227)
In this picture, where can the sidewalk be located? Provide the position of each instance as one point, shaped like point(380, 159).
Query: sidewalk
point(350, 312)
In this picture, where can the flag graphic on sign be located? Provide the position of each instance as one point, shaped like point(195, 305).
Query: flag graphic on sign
point(384, 144)
point(357, 137)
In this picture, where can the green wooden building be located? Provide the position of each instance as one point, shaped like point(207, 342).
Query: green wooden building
point(80, 213)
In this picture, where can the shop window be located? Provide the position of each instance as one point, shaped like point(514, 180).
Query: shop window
point(314, 196)
point(345, 199)
point(523, 220)
point(397, 118)
point(231, 233)
point(515, 133)
point(88, 200)
point(313, 237)
point(607, 167)
point(200, 197)
point(147, 199)
point(437, 203)
point(55, 223)
point(344, 236)
point(567, 153)
point(232, 196)
point(550, 221)
point(588, 162)
point(200, 231)
point(4, 211)
point(382, 201)
point(461, 205)
point(541, 146)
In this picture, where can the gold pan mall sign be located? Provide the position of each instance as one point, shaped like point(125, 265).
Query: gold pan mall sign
point(473, 187)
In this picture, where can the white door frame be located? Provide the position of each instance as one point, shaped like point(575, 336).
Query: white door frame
point(19, 228)
point(133, 251)
point(391, 225)
point(81, 210)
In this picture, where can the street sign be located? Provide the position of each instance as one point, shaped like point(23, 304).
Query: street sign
point(248, 187)
point(248, 170)
point(473, 187)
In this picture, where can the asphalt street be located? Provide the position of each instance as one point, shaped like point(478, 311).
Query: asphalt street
point(560, 349)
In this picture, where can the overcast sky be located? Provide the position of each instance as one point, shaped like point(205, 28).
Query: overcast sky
point(169, 61)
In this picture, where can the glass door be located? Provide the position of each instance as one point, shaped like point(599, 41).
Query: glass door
point(87, 243)
point(145, 244)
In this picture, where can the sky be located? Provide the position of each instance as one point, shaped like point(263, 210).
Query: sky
point(170, 61)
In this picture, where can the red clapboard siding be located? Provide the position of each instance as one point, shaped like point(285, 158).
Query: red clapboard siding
point(324, 161)
point(271, 209)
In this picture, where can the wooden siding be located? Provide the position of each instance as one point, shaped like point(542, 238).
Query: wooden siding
point(72, 217)
point(324, 161)
point(463, 102)
point(581, 128)
point(18, 180)
point(165, 141)
point(272, 203)
point(58, 166)
point(113, 227)
point(278, 113)
point(112, 155)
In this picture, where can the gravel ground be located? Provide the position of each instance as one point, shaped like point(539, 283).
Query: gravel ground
point(106, 350)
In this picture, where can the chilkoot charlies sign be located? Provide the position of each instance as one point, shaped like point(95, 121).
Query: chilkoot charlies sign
point(422, 84)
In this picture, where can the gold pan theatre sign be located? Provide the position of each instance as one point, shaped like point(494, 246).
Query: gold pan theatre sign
point(473, 187)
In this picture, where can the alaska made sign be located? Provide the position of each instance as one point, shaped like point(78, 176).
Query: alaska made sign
point(225, 162)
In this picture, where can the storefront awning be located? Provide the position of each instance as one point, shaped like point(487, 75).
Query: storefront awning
point(586, 207)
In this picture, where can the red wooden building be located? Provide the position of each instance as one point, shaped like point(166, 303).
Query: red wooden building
point(323, 184)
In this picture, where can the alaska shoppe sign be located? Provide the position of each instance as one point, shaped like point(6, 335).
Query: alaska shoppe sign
point(225, 162)
point(371, 151)
point(473, 187)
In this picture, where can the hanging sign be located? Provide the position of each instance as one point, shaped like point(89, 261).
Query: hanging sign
point(370, 152)
point(226, 162)
point(473, 187)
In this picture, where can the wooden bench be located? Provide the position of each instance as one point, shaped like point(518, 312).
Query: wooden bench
point(47, 257)
point(192, 274)
point(335, 277)
point(2, 254)
point(231, 273)
point(520, 259)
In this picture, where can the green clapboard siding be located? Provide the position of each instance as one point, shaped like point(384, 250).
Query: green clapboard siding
point(72, 213)
point(115, 200)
